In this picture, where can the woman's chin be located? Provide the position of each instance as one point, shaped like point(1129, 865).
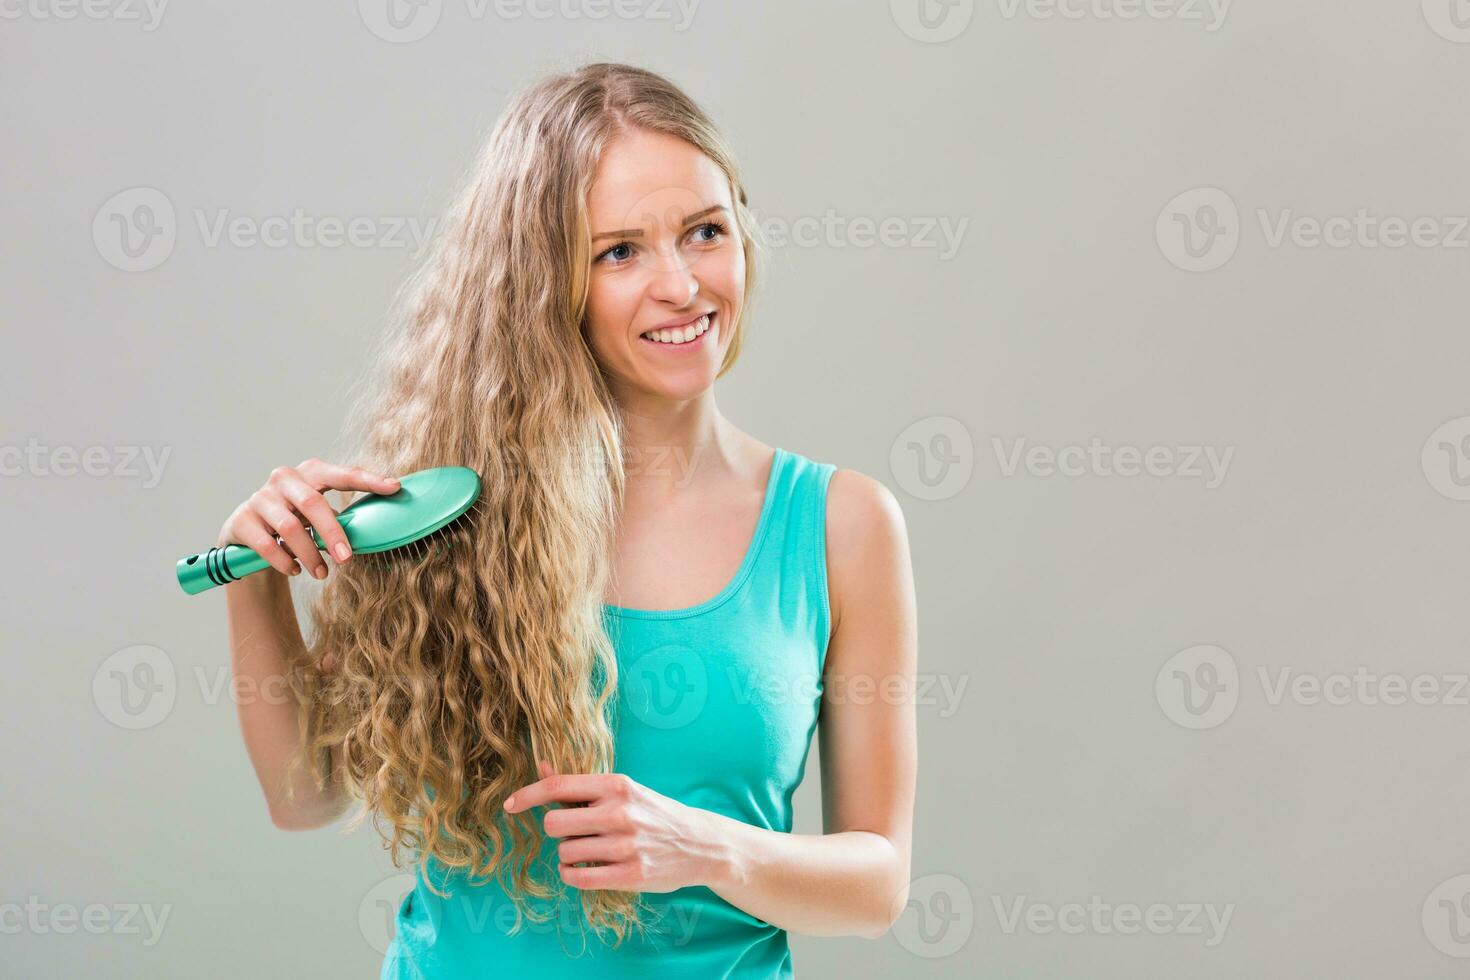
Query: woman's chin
point(684, 388)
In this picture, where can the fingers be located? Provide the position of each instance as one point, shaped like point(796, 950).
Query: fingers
point(291, 499)
point(605, 848)
point(250, 529)
point(583, 821)
point(277, 512)
point(567, 788)
point(612, 876)
point(310, 503)
point(334, 476)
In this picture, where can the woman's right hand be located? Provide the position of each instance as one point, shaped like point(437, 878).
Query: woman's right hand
point(291, 501)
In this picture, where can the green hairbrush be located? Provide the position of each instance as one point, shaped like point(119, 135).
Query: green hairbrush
point(425, 503)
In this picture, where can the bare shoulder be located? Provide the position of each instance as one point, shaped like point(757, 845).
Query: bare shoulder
point(867, 544)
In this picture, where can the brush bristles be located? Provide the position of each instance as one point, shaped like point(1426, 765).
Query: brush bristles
point(430, 543)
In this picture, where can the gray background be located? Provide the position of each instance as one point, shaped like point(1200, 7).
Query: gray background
point(1335, 541)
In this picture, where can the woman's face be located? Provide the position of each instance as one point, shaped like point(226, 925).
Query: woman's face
point(665, 253)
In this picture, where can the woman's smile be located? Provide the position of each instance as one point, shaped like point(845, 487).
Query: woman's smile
point(686, 336)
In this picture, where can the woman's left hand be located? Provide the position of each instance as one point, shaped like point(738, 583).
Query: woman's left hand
point(642, 841)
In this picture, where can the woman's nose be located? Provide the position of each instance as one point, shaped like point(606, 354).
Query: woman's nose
point(673, 280)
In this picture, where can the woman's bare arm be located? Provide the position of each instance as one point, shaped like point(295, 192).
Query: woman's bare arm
point(853, 879)
point(263, 635)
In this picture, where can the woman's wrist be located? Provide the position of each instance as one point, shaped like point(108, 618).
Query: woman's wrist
point(726, 863)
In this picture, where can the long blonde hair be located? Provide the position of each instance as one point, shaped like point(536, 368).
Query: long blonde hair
point(456, 665)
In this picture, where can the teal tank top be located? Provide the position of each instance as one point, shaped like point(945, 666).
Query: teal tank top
point(717, 706)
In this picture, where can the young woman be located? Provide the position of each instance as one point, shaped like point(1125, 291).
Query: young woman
point(590, 703)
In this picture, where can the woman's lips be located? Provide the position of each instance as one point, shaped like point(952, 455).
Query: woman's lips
point(688, 345)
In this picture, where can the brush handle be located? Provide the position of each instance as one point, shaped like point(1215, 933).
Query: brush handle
point(219, 566)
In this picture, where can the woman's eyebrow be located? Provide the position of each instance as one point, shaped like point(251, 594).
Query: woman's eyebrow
point(638, 232)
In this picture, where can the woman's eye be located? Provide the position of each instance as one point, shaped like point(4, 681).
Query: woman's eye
point(713, 227)
point(617, 253)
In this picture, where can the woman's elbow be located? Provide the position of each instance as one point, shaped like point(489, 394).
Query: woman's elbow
point(298, 819)
point(879, 924)
point(895, 891)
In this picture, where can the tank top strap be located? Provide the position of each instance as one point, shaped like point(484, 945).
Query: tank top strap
point(791, 567)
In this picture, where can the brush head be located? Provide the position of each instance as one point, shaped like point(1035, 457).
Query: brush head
point(426, 501)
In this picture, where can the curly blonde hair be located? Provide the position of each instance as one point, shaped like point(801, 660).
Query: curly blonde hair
point(442, 673)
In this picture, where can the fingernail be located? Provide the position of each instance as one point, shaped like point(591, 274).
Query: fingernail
point(343, 552)
point(510, 801)
point(295, 569)
point(320, 571)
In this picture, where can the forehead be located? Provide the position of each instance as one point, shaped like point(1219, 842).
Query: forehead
point(652, 172)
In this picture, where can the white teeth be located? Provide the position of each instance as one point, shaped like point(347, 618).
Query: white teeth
point(680, 335)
